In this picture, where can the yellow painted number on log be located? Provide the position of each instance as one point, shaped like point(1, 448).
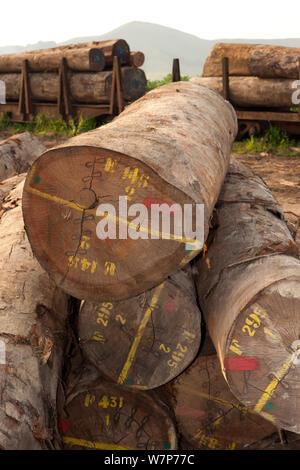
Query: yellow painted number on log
point(98, 337)
point(110, 268)
point(177, 355)
point(111, 402)
point(120, 319)
point(110, 165)
point(235, 347)
point(83, 263)
point(252, 321)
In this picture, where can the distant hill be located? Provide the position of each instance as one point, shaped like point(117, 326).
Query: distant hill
point(160, 45)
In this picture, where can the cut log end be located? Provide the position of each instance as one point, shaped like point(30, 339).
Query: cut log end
point(208, 415)
point(145, 341)
point(262, 354)
point(62, 193)
point(105, 416)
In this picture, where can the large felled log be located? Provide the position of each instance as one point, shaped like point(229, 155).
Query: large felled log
point(17, 153)
point(110, 48)
point(32, 334)
point(82, 60)
point(249, 290)
point(101, 415)
point(170, 147)
point(239, 56)
point(207, 413)
point(254, 91)
point(274, 66)
point(145, 341)
point(84, 87)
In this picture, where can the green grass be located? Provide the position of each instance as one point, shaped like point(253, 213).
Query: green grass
point(42, 125)
point(167, 79)
point(273, 140)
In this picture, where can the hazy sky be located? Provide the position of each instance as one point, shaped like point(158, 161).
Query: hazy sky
point(28, 21)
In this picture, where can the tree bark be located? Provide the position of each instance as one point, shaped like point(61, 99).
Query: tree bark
point(275, 66)
point(208, 415)
point(249, 291)
point(99, 414)
point(239, 56)
point(254, 91)
point(80, 60)
point(17, 153)
point(84, 87)
point(32, 335)
point(145, 341)
point(170, 147)
point(137, 58)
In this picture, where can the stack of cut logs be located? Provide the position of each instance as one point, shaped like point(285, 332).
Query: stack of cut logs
point(147, 342)
point(261, 76)
point(89, 73)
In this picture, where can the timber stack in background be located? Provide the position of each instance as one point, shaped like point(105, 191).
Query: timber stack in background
point(79, 80)
point(259, 81)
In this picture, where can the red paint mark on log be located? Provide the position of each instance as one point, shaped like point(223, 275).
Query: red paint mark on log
point(241, 363)
point(189, 412)
point(65, 425)
point(149, 201)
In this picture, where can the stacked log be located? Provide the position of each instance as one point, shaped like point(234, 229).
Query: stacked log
point(249, 285)
point(128, 380)
point(208, 415)
point(17, 153)
point(84, 87)
point(170, 148)
point(260, 76)
point(160, 328)
point(102, 415)
point(32, 335)
point(89, 73)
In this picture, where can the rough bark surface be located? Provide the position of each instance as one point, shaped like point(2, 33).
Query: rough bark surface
point(82, 60)
point(239, 56)
point(33, 314)
point(254, 91)
point(274, 66)
point(249, 291)
point(84, 87)
point(145, 341)
point(171, 146)
point(17, 153)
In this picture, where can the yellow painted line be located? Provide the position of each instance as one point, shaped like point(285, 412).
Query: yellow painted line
point(273, 384)
point(78, 207)
point(139, 334)
point(268, 332)
point(221, 401)
point(73, 441)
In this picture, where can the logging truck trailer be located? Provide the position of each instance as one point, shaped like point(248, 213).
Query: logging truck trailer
point(25, 108)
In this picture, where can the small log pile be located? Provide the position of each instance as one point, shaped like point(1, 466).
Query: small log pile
point(80, 74)
point(169, 345)
point(260, 76)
